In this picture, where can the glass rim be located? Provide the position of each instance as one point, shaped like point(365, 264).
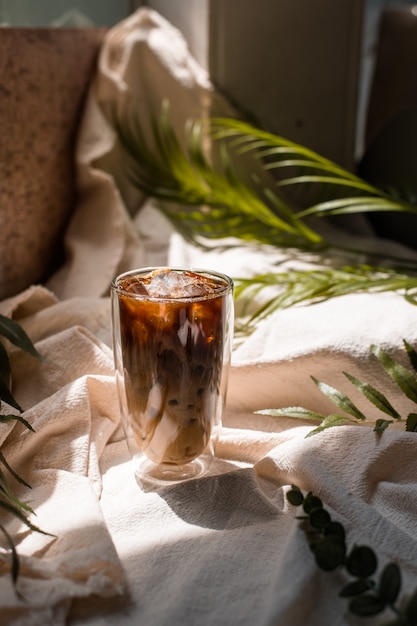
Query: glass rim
point(226, 287)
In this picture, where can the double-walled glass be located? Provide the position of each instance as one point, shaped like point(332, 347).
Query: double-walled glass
point(172, 339)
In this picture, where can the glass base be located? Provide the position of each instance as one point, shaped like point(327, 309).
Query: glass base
point(151, 475)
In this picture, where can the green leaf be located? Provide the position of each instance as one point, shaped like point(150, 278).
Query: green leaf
point(12, 331)
point(5, 372)
point(412, 354)
point(335, 528)
point(293, 287)
point(354, 588)
point(361, 562)
point(411, 609)
point(15, 558)
point(405, 380)
point(366, 605)
point(390, 583)
point(381, 425)
point(292, 411)
point(319, 518)
point(411, 423)
point(5, 377)
point(17, 418)
point(329, 553)
point(329, 422)
point(12, 472)
point(7, 396)
point(15, 510)
point(373, 395)
point(295, 496)
point(311, 502)
point(7, 496)
point(339, 399)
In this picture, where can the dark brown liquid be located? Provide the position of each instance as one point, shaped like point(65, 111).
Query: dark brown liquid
point(172, 358)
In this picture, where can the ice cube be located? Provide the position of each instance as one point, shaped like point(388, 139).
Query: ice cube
point(179, 284)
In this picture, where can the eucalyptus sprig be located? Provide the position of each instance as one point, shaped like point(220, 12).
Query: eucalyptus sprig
point(9, 503)
point(369, 593)
point(405, 378)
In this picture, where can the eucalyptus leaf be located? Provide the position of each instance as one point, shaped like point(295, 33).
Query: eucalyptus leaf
point(354, 588)
point(361, 562)
point(329, 553)
point(311, 502)
point(411, 608)
point(319, 518)
point(366, 605)
point(334, 528)
point(295, 496)
point(390, 583)
point(327, 542)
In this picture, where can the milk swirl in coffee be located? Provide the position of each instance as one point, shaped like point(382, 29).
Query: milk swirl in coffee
point(172, 327)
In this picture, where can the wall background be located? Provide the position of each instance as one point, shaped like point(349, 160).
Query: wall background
point(301, 72)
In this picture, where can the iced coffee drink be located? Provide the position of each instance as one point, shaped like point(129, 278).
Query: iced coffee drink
point(172, 328)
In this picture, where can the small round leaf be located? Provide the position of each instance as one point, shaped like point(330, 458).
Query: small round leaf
point(318, 518)
point(354, 589)
point(330, 553)
point(411, 608)
point(311, 502)
point(295, 497)
point(366, 604)
point(390, 583)
point(361, 562)
point(335, 528)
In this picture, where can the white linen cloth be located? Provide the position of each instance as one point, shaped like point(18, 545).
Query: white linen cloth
point(224, 550)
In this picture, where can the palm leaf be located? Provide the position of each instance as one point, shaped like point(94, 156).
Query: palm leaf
point(295, 287)
point(282, 155)
point(340, 399)
point(412, 354)
point(377, 398)
point(225, 178)
point(216, 202)
point(15, 558)
point(403, 377)
point(11, 330)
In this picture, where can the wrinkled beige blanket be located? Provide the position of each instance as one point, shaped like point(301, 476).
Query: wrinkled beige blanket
point(226, 549)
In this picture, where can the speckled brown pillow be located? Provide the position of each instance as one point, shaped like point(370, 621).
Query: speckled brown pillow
point(44, 75)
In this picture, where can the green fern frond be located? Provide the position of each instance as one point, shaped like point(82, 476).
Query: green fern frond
point(296, 287)
point(406, 380)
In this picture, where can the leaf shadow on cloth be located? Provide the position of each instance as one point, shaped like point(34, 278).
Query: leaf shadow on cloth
point(224, 501)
